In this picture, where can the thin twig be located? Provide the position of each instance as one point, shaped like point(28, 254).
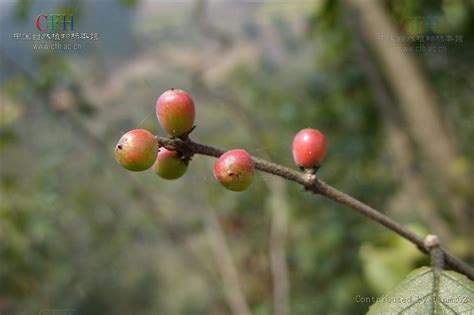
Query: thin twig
point(317, 186)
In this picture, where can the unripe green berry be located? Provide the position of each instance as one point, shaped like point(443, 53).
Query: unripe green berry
point(234, 170)
point(175, 112)
point(136, 150)
point(168, 165)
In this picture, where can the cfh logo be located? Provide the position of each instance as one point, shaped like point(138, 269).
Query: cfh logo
point(46, 22)
point(419, 24)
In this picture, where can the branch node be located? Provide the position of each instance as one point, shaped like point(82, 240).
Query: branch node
point(310, 176)
point(431, 241)
point(311, 185)
point(432, 244)
point(185, 137)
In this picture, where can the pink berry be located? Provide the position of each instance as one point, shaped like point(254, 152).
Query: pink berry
point(168, 165)
point(309, 148)
point(136, 150)
point(175, 112)
point(234, 170)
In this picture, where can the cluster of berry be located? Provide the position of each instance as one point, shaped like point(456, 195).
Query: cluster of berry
point(138, 149)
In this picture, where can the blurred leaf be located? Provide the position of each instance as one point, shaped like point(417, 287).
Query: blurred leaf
point(69, 9)
point(457, 14)
point(128, 3)
point(325, 18)
point(7, 137)
point(14, 87)
point(428, 291)
point(9, 113)
point(86, 108)
point(22, 9)
point(384, 265)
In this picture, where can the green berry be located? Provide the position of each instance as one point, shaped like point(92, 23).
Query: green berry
point(168, 165)
point(136, 150)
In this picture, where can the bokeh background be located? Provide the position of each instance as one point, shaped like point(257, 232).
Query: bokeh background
point(391, 84)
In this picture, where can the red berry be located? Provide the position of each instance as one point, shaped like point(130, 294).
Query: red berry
point(168, 165)
point(175, 112)
point(136, 150)
point(234, 170)
point(309, 148)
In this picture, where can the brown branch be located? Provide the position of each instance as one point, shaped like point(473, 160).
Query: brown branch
point(317, 186)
